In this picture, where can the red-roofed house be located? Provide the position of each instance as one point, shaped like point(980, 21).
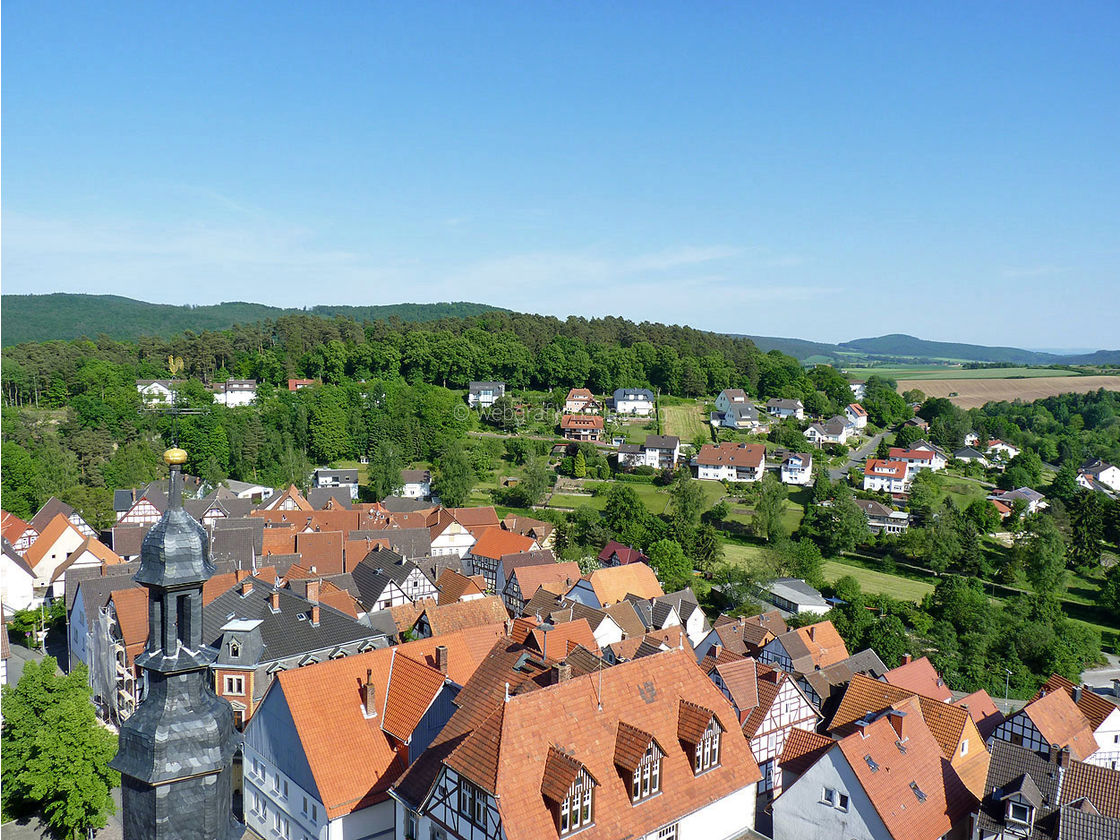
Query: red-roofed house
point(581, 427)
point(1050, 719)
point(884, 476)
point(888, 780)
point(856, 415)
point(918, 459)
point(19, 533)
point(50, 551)
point(328, 740)
point(491, 546)
point(616, 554)
point(731, 462)
point(920, 677)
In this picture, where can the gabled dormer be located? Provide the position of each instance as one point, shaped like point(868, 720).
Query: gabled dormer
point(569, 789)
point(1021, 800)
point(637, 755)
point(699, 731)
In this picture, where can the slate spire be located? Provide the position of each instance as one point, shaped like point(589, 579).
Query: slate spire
point(176, 750)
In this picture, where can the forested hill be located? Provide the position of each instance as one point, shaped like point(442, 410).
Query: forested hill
point(65, 316)
point(907, 345)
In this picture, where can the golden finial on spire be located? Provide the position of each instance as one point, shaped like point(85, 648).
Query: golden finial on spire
point(175, 456)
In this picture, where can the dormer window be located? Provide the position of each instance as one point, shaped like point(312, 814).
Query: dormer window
point(646, 779)
point(234, 649)
point(570, 790)
point(707, 751)
point(1018, 812)
point(638, 758)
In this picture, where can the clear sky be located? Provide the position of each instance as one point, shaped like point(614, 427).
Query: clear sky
point(819, 170)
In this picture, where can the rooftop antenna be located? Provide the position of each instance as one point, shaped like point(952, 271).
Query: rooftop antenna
point(1006, 682)
point(599, 693)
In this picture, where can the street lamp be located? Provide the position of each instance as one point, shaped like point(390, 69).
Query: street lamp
point(1006, 681)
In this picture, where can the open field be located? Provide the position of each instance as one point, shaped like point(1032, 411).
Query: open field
point(878, 583)
point(973, 393)
point(953, 372)
point(684, 421)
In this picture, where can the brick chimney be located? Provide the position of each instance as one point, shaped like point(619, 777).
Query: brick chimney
point(561, 673)
point(896, 718)
point(812, 632)
point(241, 574)
point(246, 587)
point(274, 600)
point(441, 658)
point(716, 651)
point(1077, 694)
point(315, 615)
point(1063, 756)
point(313, 591)
point(369, 696)
point(906, 658)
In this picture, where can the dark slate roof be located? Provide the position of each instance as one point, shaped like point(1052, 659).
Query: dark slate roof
point(1076, 824)
point(345, 475)
point(84, 573)
point(685, 603)
point(122, 500)
point(318, 497)
point(376, 570)
point(433, 566)
point(1006, 769)
point(381, 621)
point(399, 504)
point(490, 386)
point(629, 449)
point(633, 393)
point(253, 523)
point(284, 633)
point(127, 539)
point(662, 442)
point(969, 452)
point(408, 542)
point(233, 544)
point(542, 603)
point(49, 511)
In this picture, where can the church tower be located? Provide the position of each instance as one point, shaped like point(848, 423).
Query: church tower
point(176, 750)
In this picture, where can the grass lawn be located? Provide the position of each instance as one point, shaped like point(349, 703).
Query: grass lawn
point(684, 421)
point(564, 500)
point(739, 553)
point(948, 372)
point(878, 583)
point(962, 490)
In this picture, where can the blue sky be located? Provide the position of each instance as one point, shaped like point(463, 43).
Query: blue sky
point(818, 170)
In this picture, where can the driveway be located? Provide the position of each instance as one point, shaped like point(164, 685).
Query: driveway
point(856, 457)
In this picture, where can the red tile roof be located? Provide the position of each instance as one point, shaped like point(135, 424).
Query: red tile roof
point(47, 539)
point(555, 577)
point(625, 553)
point(732, 454)
point(562, 638)
point(920, 677)
point(614, 584)
point(131, 606)
point(11, 526)
point(453, 587)
point(351, 758)
point(1095, 708)
point(897, 453)
point(581, 421)
point(509, 753)
point(462, 615)
point(1060, 722)
point(321, 551)
point(982, 709)
point(802, 749)
point(494, 543)
point(884, 468)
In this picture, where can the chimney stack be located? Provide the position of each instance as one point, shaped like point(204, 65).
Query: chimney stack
point(717, 650)
point(1063, 756)
point(315, 615)
point(441, 659)
point(369, 696)
point(812, 632)
point(246, 587)
point(896, 717)
point(313, 591)
point(274, 600)
point(906, 658)
point(561, 673)
point(241, 574)
point(1077, 694)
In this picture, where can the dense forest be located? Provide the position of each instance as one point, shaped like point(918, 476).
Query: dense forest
point(62, 316)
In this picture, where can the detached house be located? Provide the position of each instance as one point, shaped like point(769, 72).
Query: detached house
point(47, 556)
point(662, 756)
point(634, 401)
point(347, 479)
point(797, 468)
point(582, 427)
point(485, 394)
point(1101, 472)
point(235, 392)
point(491, 547)
point(659, 451)
point(884, 476)
point(785, 408)
point(415, 484)
point(887, 780)
point(835, 430)
point(1103, 717)
point(918, 459)
point(1002, 451)
point(1053, 718)
point(731, 462)
point(806, 649)
point(615, 553)
point(882, 519)
point(154, 392)
point(581, 401)
point(856, 415)
point(605, 587)
point(734, 410)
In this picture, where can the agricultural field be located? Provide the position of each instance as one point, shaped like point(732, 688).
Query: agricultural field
point(685, 421)
point(955, 372)
point(973, 393)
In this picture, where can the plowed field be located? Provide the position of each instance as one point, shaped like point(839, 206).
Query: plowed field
point(973, 393)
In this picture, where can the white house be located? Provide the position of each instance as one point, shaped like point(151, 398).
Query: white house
point(634, 401)
point(881, 518)
point(859, 389)
point(415, 484)
point(835, 430)
point(347, 478)
point(1003, 451)
point(17, 581)
point(918, 459)
point(857, 415)
point(449, 536)
point(659, 451)
point(1102, 472)
point(1033, 500)
point(49, 553)
point(785, 408)
point(972, 439)
point(235, 393)
point(581, 401)
point(734, 410)
point(968, 455)
point(886, 476)
point(485, 394)
point(154, 392)
point(797, 468)
point(731, 462)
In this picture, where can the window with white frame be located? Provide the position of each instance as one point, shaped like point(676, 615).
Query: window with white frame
point(234, 685)
point(576, 810)
point(646, 780)
point(472, 803)
point(669, 832)
point(707, 751)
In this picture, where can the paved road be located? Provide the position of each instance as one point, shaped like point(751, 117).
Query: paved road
point(1103, 677)
point(857, 457)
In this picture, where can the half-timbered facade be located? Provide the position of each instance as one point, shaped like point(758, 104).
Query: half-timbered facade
point(1052, 719)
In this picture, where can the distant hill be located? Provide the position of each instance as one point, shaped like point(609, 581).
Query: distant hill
point(899, 344)
point(67, 316)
